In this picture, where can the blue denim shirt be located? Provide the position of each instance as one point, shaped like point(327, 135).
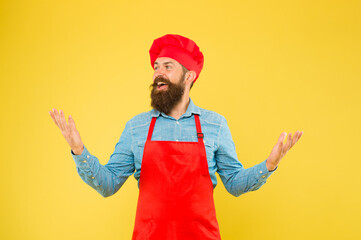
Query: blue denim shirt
point(127, 156)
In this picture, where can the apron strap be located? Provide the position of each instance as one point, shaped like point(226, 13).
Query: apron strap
point(151, 127)
point(202, 149)
point(199, 129)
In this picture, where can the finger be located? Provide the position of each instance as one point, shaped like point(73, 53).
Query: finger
point(288, 143)
point(59, 120)
point(295, 138)
point(56, 115)
point(53, 117)
point(282, 137)
point(71, 123)
point(279, 148)
point(62, 120)
point(300, 135)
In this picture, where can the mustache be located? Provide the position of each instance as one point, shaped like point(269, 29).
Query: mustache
point(160, 79)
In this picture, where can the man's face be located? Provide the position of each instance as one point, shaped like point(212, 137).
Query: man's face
point(168, 84)
point(168, 68)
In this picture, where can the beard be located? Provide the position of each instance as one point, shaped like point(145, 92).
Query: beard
point(164, 100)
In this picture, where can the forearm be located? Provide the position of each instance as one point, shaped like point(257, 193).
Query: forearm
point(235, 177)
point(99, 177)
point(246, 180)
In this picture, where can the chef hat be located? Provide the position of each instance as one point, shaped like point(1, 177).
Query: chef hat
point(183, 50)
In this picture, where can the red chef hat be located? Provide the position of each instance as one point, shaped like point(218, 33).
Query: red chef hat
point(179, 48)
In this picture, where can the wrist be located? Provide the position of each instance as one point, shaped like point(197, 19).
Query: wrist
point(78, 151)
point(270, 167)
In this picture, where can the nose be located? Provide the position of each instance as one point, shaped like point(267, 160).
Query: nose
point(159, 72)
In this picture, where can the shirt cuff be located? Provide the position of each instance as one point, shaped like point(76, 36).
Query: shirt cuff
point(263, 172)
point(83, 160)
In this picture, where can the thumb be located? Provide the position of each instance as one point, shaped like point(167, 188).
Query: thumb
point(282, 137)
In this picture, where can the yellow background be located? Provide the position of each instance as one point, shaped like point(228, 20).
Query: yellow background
point(270, 67)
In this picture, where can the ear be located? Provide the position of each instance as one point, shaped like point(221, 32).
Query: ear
point(190, 76)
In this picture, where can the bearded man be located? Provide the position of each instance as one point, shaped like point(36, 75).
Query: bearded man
point(175, 150)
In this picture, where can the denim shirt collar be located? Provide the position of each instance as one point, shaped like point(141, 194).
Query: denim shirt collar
point(191, 109)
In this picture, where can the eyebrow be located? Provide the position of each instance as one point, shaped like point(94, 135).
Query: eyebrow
point(163, 63)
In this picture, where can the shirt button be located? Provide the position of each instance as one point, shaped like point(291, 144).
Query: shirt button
point(84, 160)
point(93, 177)
point(263, 176)
point(87, 156)
point(177, 140)
point(177, 122)
point(260, 172)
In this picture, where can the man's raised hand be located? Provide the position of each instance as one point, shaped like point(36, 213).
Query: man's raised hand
point(280, 150)
point(69, 130)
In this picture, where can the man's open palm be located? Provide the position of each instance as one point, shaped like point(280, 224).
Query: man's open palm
point(69, 130)
point(280, 149)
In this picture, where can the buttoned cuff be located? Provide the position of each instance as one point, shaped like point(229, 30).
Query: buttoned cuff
point(262, 171)
point(83, 160)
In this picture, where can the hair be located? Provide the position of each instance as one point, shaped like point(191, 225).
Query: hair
point(185, 70)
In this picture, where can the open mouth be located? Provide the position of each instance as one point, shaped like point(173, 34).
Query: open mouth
point(162, 85)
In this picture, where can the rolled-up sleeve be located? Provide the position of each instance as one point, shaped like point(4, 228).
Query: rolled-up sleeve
point(107, 179)
point(236, 179)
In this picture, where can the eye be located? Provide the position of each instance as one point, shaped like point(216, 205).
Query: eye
point(168, 67)
point(155, 68)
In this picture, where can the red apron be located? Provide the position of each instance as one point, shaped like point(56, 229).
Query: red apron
point(175, 191)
